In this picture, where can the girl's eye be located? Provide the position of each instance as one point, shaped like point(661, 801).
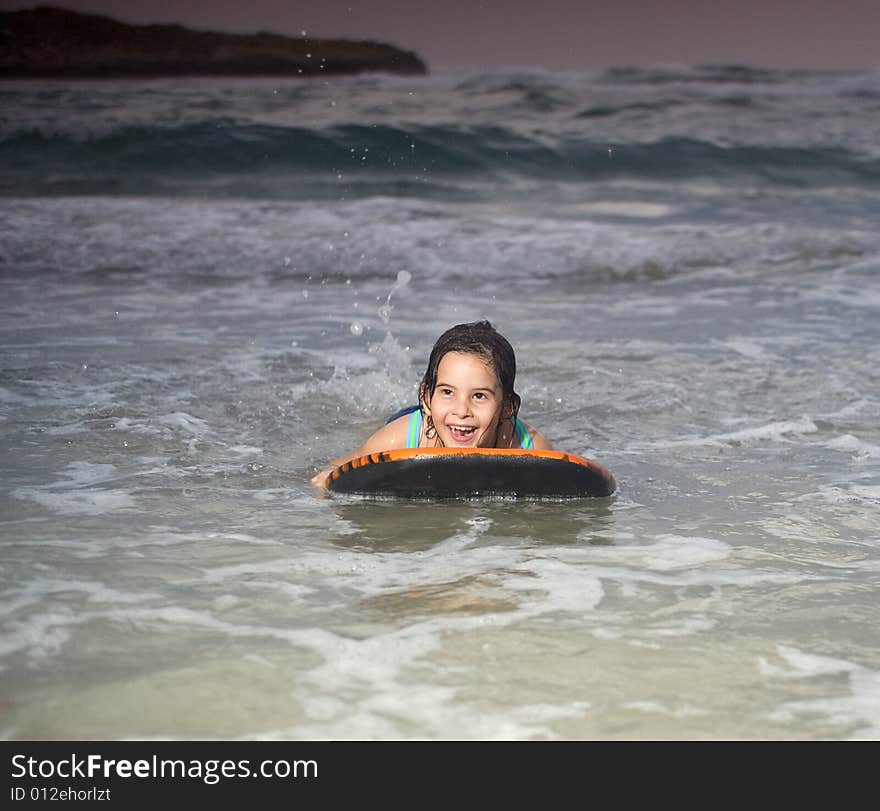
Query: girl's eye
point(480, 396)
point(447, 392)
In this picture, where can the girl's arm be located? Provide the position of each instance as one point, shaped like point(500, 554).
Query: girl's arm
point(390, 436)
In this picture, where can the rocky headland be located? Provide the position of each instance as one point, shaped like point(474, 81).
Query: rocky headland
point(49, 42)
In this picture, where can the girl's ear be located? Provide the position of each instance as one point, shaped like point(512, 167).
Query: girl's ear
point(507, 410)
point(424, 401)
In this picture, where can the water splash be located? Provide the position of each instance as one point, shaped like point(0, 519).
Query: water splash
point(403, 279)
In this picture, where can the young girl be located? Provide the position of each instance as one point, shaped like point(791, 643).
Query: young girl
point(466, 400)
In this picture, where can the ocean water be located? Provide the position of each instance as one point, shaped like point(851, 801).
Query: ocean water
point(211, 287)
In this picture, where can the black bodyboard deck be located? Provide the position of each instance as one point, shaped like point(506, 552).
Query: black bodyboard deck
point(429, 473)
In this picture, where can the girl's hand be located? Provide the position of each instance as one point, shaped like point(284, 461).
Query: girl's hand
point(320, 478)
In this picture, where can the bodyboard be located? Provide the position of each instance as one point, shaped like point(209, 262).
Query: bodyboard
point(473, 473)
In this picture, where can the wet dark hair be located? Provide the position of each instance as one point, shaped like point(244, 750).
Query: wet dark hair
point(475, 338)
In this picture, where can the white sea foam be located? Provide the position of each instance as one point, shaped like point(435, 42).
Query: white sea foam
point(801, 665)
point(133, 425)
point(245, 572)
point(375, 668)
point(81, 501)
point(859, 449)
point(683, 710)
point(854, 409)
point(42, 636)
point(668, 553)
point(45, 631)
point(79, 491)
point(185, 422)
point(640, 210)
point(246, 450)
point(35, 590)
point(383, 701)
point(567, 582)
point(232, 538)
point(863, 494)
point(68, 429)
point(12, 397)
point(85, 474)
point(747, 347)
point(775, 431)
point(856, 706)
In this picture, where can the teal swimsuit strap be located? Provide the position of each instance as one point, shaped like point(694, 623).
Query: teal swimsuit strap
point(414, 434)
point(525, 438)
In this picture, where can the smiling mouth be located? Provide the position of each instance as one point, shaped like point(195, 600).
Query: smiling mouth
point(462, 433)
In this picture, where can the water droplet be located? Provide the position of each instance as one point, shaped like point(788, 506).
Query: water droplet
point(404, 277)
point(356, 328)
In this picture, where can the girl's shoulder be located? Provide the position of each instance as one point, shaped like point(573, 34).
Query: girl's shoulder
point(391, 435)
point(539, 441)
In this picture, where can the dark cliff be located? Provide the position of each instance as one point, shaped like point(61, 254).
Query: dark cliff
point(47, 42)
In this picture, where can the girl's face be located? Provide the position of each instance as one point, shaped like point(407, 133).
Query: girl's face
point(467, 402)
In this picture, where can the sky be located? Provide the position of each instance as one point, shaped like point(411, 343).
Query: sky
point(551, 34)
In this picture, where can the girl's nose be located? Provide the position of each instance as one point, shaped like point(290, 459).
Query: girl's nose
point(462, 407)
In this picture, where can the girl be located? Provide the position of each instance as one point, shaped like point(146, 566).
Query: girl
point(466, 400)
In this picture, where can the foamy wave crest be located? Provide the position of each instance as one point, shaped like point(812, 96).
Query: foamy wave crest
point(256, 159)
